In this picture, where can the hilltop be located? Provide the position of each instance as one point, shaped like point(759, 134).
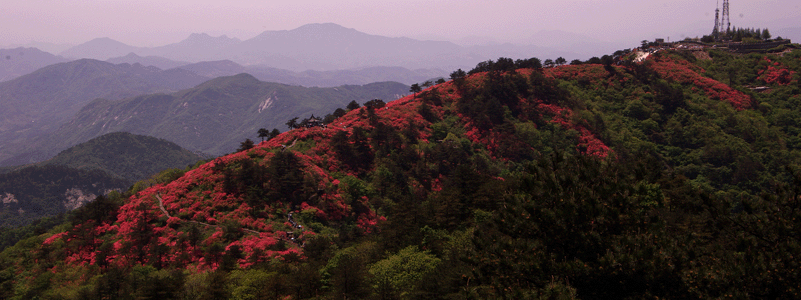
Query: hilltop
point(669, 178)
point(125, 155)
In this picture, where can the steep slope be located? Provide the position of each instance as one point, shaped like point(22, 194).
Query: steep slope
point(216, 115)
point(584, 181)
point(124, 155)
point(20, 61)
point(40, 102)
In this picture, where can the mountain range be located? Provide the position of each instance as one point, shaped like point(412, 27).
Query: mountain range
point(212, 117)
point(319, 47)
point(216, 116)
point(38, 103)
point(313, 55)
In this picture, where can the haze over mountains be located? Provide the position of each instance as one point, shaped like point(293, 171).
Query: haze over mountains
point(40, 102)
point(16, 62)
point(311, 78)
point(320, 47)
point(323, 55)
point(35, 103)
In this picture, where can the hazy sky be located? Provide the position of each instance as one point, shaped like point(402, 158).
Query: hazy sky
point(160, 22)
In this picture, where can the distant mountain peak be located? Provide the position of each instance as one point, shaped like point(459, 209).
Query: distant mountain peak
point(322, 26)
point(328, 28)
point(313, 28)
point(242, 78)
point(105, 40)
point(102, 39)
point(100, 48)
point(204, 37)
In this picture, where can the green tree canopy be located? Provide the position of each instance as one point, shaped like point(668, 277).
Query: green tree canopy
point(399, 275)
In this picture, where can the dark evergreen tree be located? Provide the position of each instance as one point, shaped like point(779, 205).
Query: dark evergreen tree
point(246, 145)
point(531, 63)
point(292, 123)
point(375, 104)
point(274, 133)
point(458, 74)
point(414, 89)
point(263, 133)
point(504, 64)
point(353, 105)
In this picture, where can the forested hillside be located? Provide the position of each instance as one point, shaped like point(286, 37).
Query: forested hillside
point(671, 178)
point(125, 155)
point(75, 176)
point(36, 192)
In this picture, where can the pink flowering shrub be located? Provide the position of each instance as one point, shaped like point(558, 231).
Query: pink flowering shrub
point(54, 237)
point(369, 221)
point(776, 73)
point(684, 72)
point(587, 140)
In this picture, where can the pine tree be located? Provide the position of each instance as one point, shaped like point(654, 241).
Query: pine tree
point(263, 133)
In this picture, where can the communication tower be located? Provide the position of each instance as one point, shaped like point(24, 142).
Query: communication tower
point(716, 30)
point(725, 19)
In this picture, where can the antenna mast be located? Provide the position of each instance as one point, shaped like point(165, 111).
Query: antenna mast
point(716, 30)
point(725, 19)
